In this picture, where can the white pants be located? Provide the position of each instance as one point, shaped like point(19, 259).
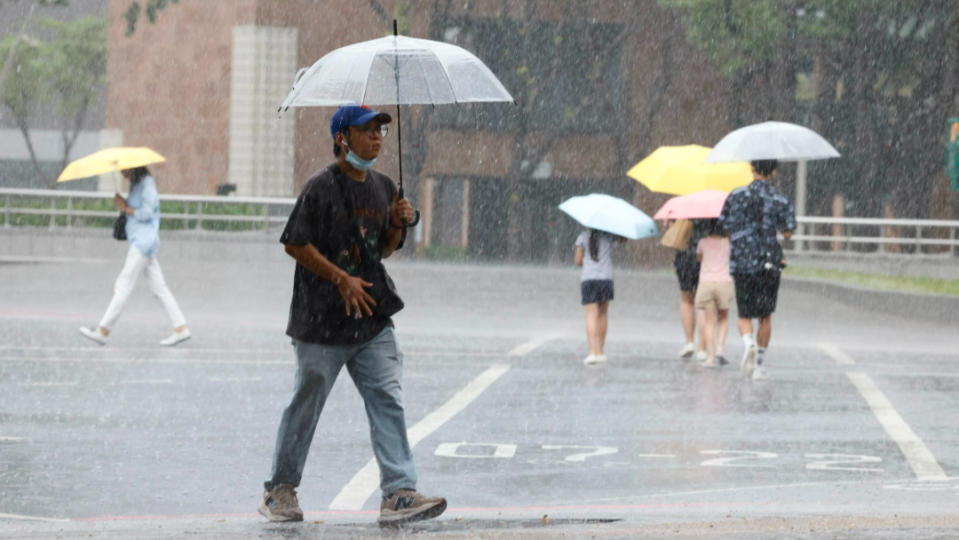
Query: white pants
point(136, 264)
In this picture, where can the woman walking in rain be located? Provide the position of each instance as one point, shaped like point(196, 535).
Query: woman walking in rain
point(594, 251)
point(142, 208)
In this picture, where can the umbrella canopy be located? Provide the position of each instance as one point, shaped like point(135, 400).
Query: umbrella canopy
point(396, 70)
point(772, 140)
point(611, 214)
point(700, 205)
point(109, 160)
point(680, 170)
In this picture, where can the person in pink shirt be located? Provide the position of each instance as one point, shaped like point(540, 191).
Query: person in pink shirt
point(715, 291)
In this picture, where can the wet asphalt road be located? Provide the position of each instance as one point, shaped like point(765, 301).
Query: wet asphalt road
point(854, 435)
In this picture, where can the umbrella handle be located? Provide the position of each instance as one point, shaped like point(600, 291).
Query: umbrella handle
point(415, 221)
point(416, 216)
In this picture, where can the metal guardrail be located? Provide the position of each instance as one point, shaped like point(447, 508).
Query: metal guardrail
point(814, 234)
point(65, 209)
point(888, 236)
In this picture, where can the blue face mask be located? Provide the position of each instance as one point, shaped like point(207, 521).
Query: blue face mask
point(357, 162)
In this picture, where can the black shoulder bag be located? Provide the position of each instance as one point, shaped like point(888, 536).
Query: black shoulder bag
point(120, 227)
point(383, 291)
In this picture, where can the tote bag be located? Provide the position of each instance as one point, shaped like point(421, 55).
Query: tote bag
point(677, 235)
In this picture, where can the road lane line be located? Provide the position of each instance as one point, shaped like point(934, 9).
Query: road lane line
point(525, 348)
point(841, 358)
point(367, 480)
point(22, 517)
point(923, 463)
point(50, 383)
point(11, 439)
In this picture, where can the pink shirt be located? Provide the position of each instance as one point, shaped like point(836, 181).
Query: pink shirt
point(715, 263)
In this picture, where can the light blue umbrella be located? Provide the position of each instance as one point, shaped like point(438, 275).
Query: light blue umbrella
point(611, 214)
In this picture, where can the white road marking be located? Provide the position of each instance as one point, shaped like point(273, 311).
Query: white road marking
point(32, 518)
point(146, 381)
point(11, 439)
point(366, 481)
point(581, 456)
point(448, 449)
point(50, 383)
point(525, 348)
point(923, 463)
point(841, 358)
point(656, 456)
point(235, 379)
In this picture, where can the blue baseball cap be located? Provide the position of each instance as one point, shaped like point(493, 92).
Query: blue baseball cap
point(355, 115)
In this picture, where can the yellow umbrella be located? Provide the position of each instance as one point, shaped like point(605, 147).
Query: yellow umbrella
point(109, 160)
point(681, 170)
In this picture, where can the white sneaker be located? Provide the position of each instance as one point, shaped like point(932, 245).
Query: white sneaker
point(93, 335)
point(177, 337)
point(701, 356)
point(594, 359)
point(687, 351)
point(759, 374)
point(709, 363)
point(748, 364)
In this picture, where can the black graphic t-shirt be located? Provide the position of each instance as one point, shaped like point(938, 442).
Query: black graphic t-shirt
point(347, 222)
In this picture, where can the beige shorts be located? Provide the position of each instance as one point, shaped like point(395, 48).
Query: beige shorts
point(714, 293)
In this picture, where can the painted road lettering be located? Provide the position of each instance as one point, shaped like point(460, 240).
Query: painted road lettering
point(724, 458)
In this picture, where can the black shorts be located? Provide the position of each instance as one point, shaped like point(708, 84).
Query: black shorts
point(688, 274)
point(756, 293)
point(597, 291)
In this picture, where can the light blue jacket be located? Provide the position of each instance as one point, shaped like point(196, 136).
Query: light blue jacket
point(143, 227)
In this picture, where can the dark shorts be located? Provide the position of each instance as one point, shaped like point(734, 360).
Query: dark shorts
point(688, 274)
point(756, 293)
point(597, 291)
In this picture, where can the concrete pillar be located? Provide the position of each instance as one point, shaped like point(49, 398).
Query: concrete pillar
point(838, 210)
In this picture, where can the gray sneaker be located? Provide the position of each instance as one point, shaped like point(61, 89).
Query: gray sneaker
point(748, 363)
point(404, 506)
point(280, 504)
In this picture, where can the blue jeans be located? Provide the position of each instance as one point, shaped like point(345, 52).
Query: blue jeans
point(376, 368)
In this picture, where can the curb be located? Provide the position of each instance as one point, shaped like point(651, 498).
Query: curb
point(927, 307)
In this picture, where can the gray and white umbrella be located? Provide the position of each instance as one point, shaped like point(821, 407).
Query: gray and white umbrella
point(771, 140)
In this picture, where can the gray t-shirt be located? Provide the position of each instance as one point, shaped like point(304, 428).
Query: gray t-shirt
point(601, 268)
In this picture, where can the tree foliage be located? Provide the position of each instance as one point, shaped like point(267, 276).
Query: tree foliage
point(877, 78)
point(151, 8)
point(64, 74)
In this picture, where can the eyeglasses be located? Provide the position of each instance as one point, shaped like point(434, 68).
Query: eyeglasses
point(370, 131)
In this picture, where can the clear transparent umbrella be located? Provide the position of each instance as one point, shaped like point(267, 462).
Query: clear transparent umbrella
point(611, 214)
point(772, 140)
point(396, 70)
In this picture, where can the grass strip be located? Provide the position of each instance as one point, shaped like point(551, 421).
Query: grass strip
point(878, 281)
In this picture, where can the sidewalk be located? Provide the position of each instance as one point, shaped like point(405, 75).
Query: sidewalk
point(62, 246)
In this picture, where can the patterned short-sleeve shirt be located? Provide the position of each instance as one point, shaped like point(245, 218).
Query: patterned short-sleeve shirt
point(752, 215)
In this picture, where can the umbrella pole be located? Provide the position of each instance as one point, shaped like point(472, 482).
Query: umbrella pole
point(399, 132)
point(399, 125)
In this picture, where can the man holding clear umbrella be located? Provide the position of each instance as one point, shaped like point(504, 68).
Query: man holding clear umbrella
point(752, 215)
point(347, 218)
